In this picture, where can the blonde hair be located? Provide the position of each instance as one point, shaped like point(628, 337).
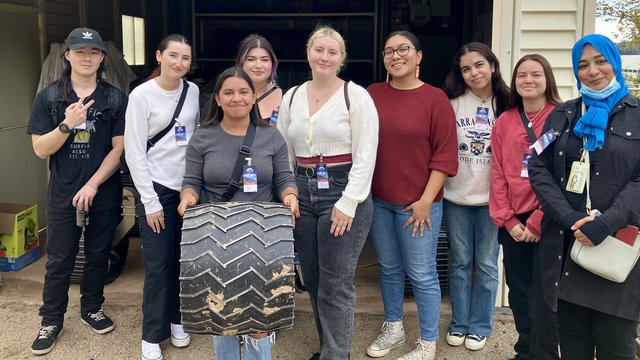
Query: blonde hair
point(326, 30)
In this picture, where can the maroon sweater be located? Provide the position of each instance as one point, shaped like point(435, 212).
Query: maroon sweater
point(417, 135)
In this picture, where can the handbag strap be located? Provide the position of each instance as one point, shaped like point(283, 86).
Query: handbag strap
point(528, 126)
point(151, 142)
point(245, 150)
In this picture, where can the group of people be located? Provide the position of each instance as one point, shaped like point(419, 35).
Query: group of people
point(396, 158)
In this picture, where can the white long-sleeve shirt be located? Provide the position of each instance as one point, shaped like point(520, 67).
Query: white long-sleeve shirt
point(149, 112)
point(334, 130)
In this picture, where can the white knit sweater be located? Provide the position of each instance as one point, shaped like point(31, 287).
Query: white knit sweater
point(334, 130)
point(149, 111)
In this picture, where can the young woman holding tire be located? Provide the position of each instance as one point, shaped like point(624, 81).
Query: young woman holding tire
point(211, 156)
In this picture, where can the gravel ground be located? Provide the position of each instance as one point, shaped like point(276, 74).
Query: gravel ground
point(19, 325)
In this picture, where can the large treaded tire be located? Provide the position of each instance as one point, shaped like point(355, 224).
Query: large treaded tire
point(237, 268)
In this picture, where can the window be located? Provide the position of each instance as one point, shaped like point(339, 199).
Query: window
point(133, 39)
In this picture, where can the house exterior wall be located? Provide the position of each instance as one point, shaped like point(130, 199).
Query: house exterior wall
point(547, 27)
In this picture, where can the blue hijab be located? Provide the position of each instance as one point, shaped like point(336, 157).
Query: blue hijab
point(593, 123)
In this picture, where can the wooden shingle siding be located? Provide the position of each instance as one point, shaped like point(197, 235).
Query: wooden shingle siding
point(61, 16)
point(100, 17)
point(21, 2)
point(546, 27)
point(131, 8)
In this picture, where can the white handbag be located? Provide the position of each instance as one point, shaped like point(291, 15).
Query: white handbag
point(613, 259)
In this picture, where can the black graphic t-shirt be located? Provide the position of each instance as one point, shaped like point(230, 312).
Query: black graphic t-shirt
point(84, 150)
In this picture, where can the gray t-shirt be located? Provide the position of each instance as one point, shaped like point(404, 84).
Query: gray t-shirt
point(212, 154)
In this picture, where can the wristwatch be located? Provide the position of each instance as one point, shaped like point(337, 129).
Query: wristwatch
point(64, 128)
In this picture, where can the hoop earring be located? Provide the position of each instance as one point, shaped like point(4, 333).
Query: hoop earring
point(387, 76)
point(417, 71)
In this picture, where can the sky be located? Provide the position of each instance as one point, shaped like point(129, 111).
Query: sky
point(607, 28)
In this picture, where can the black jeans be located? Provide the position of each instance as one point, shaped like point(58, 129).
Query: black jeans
point(63, 238)
point(583, 329)
point(329, 263)
point(161, 257)
point(543, 338)
point(518, 266)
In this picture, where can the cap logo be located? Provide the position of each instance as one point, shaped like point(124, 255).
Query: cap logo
point(87, 35)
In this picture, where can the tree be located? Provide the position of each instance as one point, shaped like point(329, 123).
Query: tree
point(626, 13)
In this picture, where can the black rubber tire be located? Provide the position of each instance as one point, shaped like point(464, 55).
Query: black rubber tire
point(237, 268)
point(117, 258)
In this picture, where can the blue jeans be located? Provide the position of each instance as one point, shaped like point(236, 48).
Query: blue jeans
point(399, 252)
point(229, 348)
point(473, 239)
point(329, 262)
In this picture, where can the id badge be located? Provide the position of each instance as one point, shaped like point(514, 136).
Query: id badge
point(249, 179)
point(577, 177)
point(273, 120)
point(322, 175)
point(543, 142)
point(482, 118)
point(524, 172)
point(181, 135)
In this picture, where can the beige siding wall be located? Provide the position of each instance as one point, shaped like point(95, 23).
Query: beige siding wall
point(546, 27)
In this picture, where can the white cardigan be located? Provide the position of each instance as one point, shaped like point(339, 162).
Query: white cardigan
point(334, 130)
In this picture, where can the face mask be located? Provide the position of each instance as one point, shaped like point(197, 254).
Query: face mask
point(601, 94)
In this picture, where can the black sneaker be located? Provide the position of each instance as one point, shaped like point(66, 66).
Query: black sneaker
point(46, 339)
point(98, 321)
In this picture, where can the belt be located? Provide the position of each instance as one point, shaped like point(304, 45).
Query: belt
point(334, 159)
point(338, 171)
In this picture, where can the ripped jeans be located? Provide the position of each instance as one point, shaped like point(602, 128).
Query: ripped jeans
point(230, 348)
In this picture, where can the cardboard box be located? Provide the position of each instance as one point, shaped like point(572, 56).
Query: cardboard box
point(18, 236)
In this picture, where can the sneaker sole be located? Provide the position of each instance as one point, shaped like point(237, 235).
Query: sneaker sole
point(383, 352)
point(180, 343)
point(455, 341)
point(47, 350)
point(146, 358)
point(103, 331)
point(476, 346)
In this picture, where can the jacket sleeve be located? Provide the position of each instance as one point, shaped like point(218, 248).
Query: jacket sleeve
point(534, 222)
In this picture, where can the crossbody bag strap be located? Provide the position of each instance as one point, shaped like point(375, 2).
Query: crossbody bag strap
point(151, 142)
point(528, 125)
point(267, 93)
point(245, 151)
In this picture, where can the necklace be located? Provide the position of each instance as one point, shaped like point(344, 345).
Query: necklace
point(535, 116)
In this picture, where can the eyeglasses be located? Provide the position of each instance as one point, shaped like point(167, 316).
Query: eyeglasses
point(402, 51)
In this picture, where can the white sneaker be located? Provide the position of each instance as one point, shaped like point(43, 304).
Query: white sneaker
point(391, 337)
point(151, 351)
point(179, 338)
point(426, 350)
point(475, 342)
point(455, 338)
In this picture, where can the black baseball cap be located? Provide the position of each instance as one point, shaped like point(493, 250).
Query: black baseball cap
point(83, 37)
